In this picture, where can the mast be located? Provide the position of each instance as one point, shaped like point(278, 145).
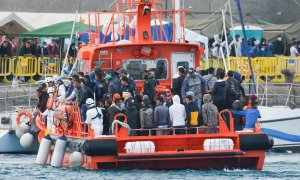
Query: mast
point(143, 27)
point(238, 4)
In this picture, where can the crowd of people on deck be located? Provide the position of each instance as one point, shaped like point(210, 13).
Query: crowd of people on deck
point(34, 47)
point(238, 46)
point(195, 101)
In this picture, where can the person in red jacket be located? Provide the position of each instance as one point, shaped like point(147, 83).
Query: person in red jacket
point(53, 49)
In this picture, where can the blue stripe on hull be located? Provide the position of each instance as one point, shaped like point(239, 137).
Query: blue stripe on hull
point(10, 143)
point(281, 135)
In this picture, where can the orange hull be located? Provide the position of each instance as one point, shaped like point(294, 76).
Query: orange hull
point(172, 152)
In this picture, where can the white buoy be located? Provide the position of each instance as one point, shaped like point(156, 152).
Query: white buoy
point(22, 129)
point(44, 150)
point(59, 151)
point(27, 140)
point(76, 159)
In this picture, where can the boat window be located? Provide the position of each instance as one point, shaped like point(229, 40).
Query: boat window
point(136, 67)
point(184, 64)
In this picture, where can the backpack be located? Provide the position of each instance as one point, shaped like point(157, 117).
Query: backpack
point(147, 116)
point(233, 90)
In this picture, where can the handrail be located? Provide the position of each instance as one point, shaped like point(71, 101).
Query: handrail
point(223, 128)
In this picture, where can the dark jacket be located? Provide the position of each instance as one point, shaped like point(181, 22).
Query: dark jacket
point(133, 117)
point(235, 89)
point(161, 116)
point(278, 47)
point(219, 91)
point(24, 51)
point(150, 86)
point(41, 51)
point(105, 121)
point(90, 84)
point(129, 88)
point(177, 84)
point(6, 51)
point(72, 52)
point(114, 86)
point(113, 110)
point(42, 104)
point(192, 114)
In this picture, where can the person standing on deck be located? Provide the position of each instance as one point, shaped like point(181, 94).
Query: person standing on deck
point(177, 115)
point(150, 85)
point(146, 115)
point(210, 78)
point(210, 114)
point(177, 83)
point(219, 91)
point(196, 84)
point(94, 117)
point(251, 116)
point(192, 114)
point(161, 117)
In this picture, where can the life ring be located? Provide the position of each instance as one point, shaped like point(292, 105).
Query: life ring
point(23, 113)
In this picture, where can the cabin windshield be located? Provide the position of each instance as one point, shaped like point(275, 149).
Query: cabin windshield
point(136, 67)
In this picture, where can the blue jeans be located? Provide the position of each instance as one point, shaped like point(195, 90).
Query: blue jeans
point(199, 102)
point(83, 110)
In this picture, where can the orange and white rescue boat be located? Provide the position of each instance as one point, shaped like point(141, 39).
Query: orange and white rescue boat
point(70, 145)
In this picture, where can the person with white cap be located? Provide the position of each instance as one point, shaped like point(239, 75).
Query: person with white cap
point(94, 117)
point(195, 83)
point(49, 81)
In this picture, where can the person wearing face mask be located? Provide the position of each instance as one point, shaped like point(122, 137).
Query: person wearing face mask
point(72, 51)
point(53, 49)
point(278, 46)
point(263, 47)
point(42, 51)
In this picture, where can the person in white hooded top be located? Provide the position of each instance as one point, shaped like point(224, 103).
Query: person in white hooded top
point(61, 88)
point(94, 117)
point(177, 115)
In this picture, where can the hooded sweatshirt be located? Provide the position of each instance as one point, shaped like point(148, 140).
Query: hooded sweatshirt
point(177, 112)
point(219, 91)
point(209, 111)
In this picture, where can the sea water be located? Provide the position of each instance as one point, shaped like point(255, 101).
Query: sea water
point(22, 167)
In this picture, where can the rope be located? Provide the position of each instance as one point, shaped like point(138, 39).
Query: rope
point(120, 123)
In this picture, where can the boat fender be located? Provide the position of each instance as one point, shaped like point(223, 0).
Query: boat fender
point(25, 113)
point(100, 147)
point(22, 129)
point(44, 150)
point(27, 140)
point(76, 159)
point(59, 151)
point(255, 142)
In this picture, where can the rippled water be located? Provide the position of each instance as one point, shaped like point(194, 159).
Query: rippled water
point(277, 166)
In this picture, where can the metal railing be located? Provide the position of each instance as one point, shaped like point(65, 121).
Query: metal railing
point(277, 94)
point(23, 95)
point(172, 130)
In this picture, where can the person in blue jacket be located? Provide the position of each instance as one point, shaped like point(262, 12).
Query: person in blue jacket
point(251, 116)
